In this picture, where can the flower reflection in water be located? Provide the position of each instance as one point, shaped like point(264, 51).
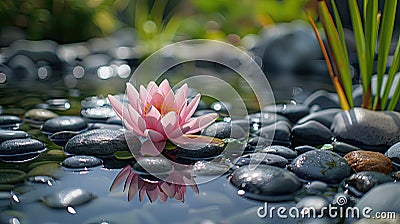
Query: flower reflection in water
point(174, 186)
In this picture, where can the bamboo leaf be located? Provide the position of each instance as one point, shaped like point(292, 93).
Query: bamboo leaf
point(340, 30)
point(392, 72)
point(338, 55)
point(360, 44)
point(387, 23)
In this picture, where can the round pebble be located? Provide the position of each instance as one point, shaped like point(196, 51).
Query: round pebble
point(20, 150)
point(393, 153)
point(196, 151)
point(37, 117)
point(67, 198)
point(266, 183)
point(9, 122)
point(8, 134)
point(224, 130)
point(369, 161)
point(64, 123)
point(261, 158)
point(321, 165)
point(81, 162)
point(360, 183)
point(279, 150)
point(61, 138)
point(153, 165)
point(206, 168)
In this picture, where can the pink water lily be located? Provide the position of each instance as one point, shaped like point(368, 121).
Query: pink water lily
point(158, 114)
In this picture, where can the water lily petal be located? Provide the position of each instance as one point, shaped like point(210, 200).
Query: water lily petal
point(169, 103)
point(154, 135)
point(152, 148)
point(138, 123)
point(133, 96)
point(152, 118)
point(191, 108)
point(162, 196)
point(181, 97)
point(144, 96)
point(164, 87)
point(170, 122)
point(133, 188)
point(142, 193)
point(121, 177)
point(116, 105)
point(152, 88)
point(128, 180)
point(199, 123)
point(152, 192)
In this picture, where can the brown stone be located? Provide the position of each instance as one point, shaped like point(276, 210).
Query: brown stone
point(369, 161)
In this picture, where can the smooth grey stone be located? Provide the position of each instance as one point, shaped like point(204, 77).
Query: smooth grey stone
point(81, 161)
point(312, 205)
point(266, 183)
point(1, 109)
point(196, 151)
point(279, 150)
point(243, 123)
point(43, 50)
point(105, 126)
point(94, 101)
point(384, 197)
point(101, 142)
point(316, 187)
point(223, 130)
point(360, 183)
point(323, 100)
point(311, 133)
point(98, 113)
point(208, 168)
point(261, 158)
point(343, 148)
point(6, 120)
point(64, 123)
point(61, 138)
point(153, 165)
point(324, 117)
point(67, 198)
point(41, 180)
point(266, 118)
point(57, 104)
point(278, 132)
point(304, 148)
point(393, 153)
point(38, 116)
point(20, 146)
point(292, 111)
point(322, 165)
point(114, 120)
point(366, 129)
point(257, 142)
point(7, 135)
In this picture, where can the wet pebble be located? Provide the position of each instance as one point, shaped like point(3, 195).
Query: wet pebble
point(61, 138)
point(367, 129)
point(197, 151)
point(67, 198)
point(37, 117)
point(279, 150)
point(55, 104)
point(304, 148)
point(7, 135)
point(207, 168)
point(41, 180)
point(104, 126)
point(324, 117)
point(312, 206)
point(292, 111)
point(265, 118)
point(11, 176)
point(257, 143)
point(311, 133)
point(261, 158)
point(316, 187)
point(321, 165)
point(94, 101)
point(81, 162)
point(153, 165)
point(114, 120)
point(266, 183)
point(279, 133)
point(21, 150)
point(321, 100)
point(101, 142)
point(223, 130)
point(369, 161)
point(9, 122)
point(98, 114)
point(392, 153)
point(360, 183)
point(343, 148)
point(64, 123)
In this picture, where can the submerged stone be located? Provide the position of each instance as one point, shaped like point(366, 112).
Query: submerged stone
point(101, 142)
point(67, 198)
point(81, 162)
point(153, 165)
point(369, 161)
point(64, 123)
point(322, 165)
point(360, 183)
point(11, 176)
point(206, 168)
point(266, 183)
point(7, 135)
point(367, 129)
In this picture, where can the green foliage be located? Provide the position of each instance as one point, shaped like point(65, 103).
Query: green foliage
point(366, 34)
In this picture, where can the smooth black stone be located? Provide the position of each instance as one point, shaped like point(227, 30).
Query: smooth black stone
point(343, 148)
point(243, 123)
point(304, 148)
point(321, 165)
point(393, 153)
point(114, 120)
point(101, 142)
point(279, 150)
point(7, 135)
point(321, 100)
point(261, 158)
point(223, 130)
point(266, 183)
point(1, 109)
point(6, 120)
point(360, 183)
point(81, 161)
point(366, 129)
point(279, 132)
point(64, 123)
point(58, 104)
point(153, 165)
point(311, 133)
point(197, 151)
point(20, 146)
point(206, 168)
point(265, 118)
point(257, 142)
point(292, 111)
point(61, 138)
point(324, 117)
point(94, 101)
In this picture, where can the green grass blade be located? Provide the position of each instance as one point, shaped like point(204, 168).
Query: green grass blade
point(340, 30)
point(387, 22)
point(371, 32)
point(360, 44)
point(392, 72)
point(338, 55)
